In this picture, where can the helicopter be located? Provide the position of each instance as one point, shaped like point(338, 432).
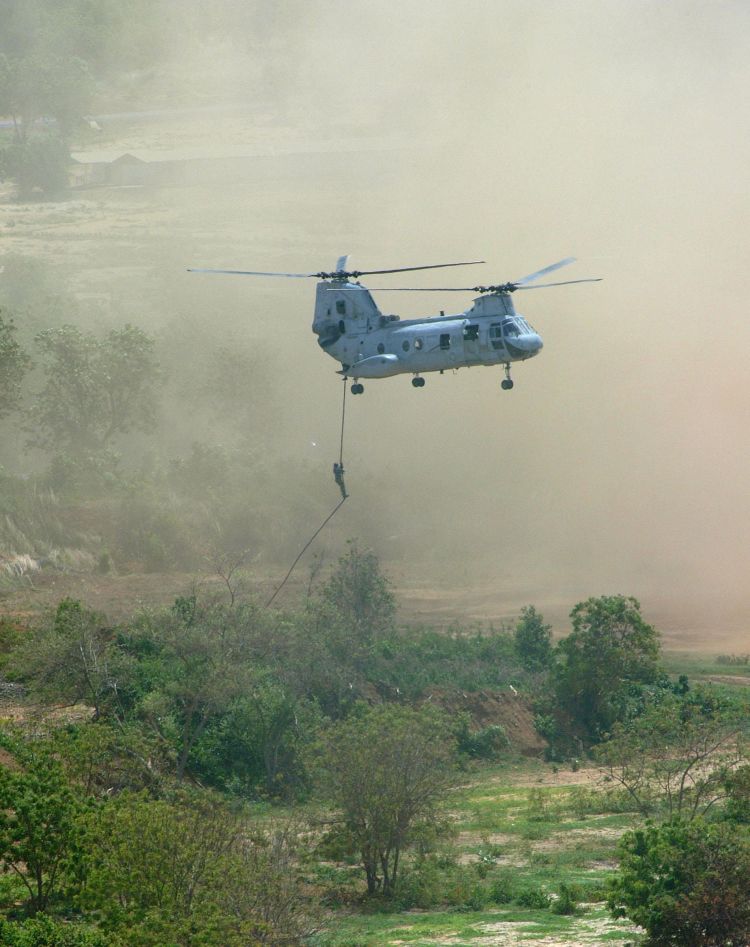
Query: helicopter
point(369, 344)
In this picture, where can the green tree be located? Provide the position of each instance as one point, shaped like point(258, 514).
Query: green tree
point(34, 85)
point(114, 36)
point(39, 831)
point(95, 388)
point(679, 753)
point(686, 883)
point(359, 596)
point(610, 650)
point(387, 770)
point(39, 85)
point(151, 854)
point(258, 743)
point(14, 362)
point(38, 166)
point(189, 872)
point(104, 759)
point(533, 640)
point(71, 658)
point(203, 663)
point(354, 609)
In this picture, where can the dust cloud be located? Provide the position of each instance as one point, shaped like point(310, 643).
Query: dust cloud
point(514, 132)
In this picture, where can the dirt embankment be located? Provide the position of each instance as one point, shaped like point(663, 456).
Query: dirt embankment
point(490, 708)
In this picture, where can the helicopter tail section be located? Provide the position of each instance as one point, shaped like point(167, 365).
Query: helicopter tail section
point(342, 307)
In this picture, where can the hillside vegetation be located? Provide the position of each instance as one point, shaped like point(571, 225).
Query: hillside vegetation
point(220, 773)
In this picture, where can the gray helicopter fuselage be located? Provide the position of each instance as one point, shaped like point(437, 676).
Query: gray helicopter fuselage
point(369, 344)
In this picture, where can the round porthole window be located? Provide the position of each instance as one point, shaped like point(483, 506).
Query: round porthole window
point(381, 348)
point(405, 345)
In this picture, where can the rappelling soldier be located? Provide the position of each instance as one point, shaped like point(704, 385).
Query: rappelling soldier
point(338, 476)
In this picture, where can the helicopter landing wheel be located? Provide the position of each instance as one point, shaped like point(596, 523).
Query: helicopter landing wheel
point(357, 389)
point(507, 383)
point(418, 382)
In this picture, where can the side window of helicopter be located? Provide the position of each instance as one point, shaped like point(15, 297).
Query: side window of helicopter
point(341, 307)
point(418, 343)
point(496, 335)
point(471, 333)
point(405, 345)
point(381, 348)
point(445, 341)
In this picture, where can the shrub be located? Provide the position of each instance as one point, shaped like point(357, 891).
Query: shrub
point(533, 898)
point(738, 790)
point(42, 931)
point(38, 166)
point(488, 743)
point(739, 659)
point(421, 885)
point(476, 899)
point(503, 889)
point(533, 640)
point(582, 801)
point(566, 902)
point(538, 806)
point(685, 883)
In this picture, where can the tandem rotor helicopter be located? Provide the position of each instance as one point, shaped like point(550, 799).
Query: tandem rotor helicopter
point(369, 344)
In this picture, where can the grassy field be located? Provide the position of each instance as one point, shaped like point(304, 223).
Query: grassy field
point(707, 666)
point(522, 832)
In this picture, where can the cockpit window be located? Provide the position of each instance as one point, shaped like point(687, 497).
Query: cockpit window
point(341, 307)
point(496, 335)
point(511, 329)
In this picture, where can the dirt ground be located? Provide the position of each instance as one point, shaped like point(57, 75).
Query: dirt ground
point(682, 625)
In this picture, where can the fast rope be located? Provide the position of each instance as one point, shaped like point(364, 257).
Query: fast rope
point(338, 475)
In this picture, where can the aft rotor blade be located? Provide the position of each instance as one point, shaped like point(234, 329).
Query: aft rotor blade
point(567, 282)
point(192, 269)
point(547, 269)
point(338, 274)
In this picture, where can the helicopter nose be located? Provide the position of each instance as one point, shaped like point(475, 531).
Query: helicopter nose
point(531, 343)
point(525, 345)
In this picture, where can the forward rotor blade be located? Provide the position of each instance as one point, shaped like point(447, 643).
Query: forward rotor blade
point(547, 269)
point(407, 269)
point(507, 288)
point(424, 289)
point(567, 282)
point(192, 269)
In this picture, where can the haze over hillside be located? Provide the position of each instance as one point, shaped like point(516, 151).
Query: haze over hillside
point(427, 132)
